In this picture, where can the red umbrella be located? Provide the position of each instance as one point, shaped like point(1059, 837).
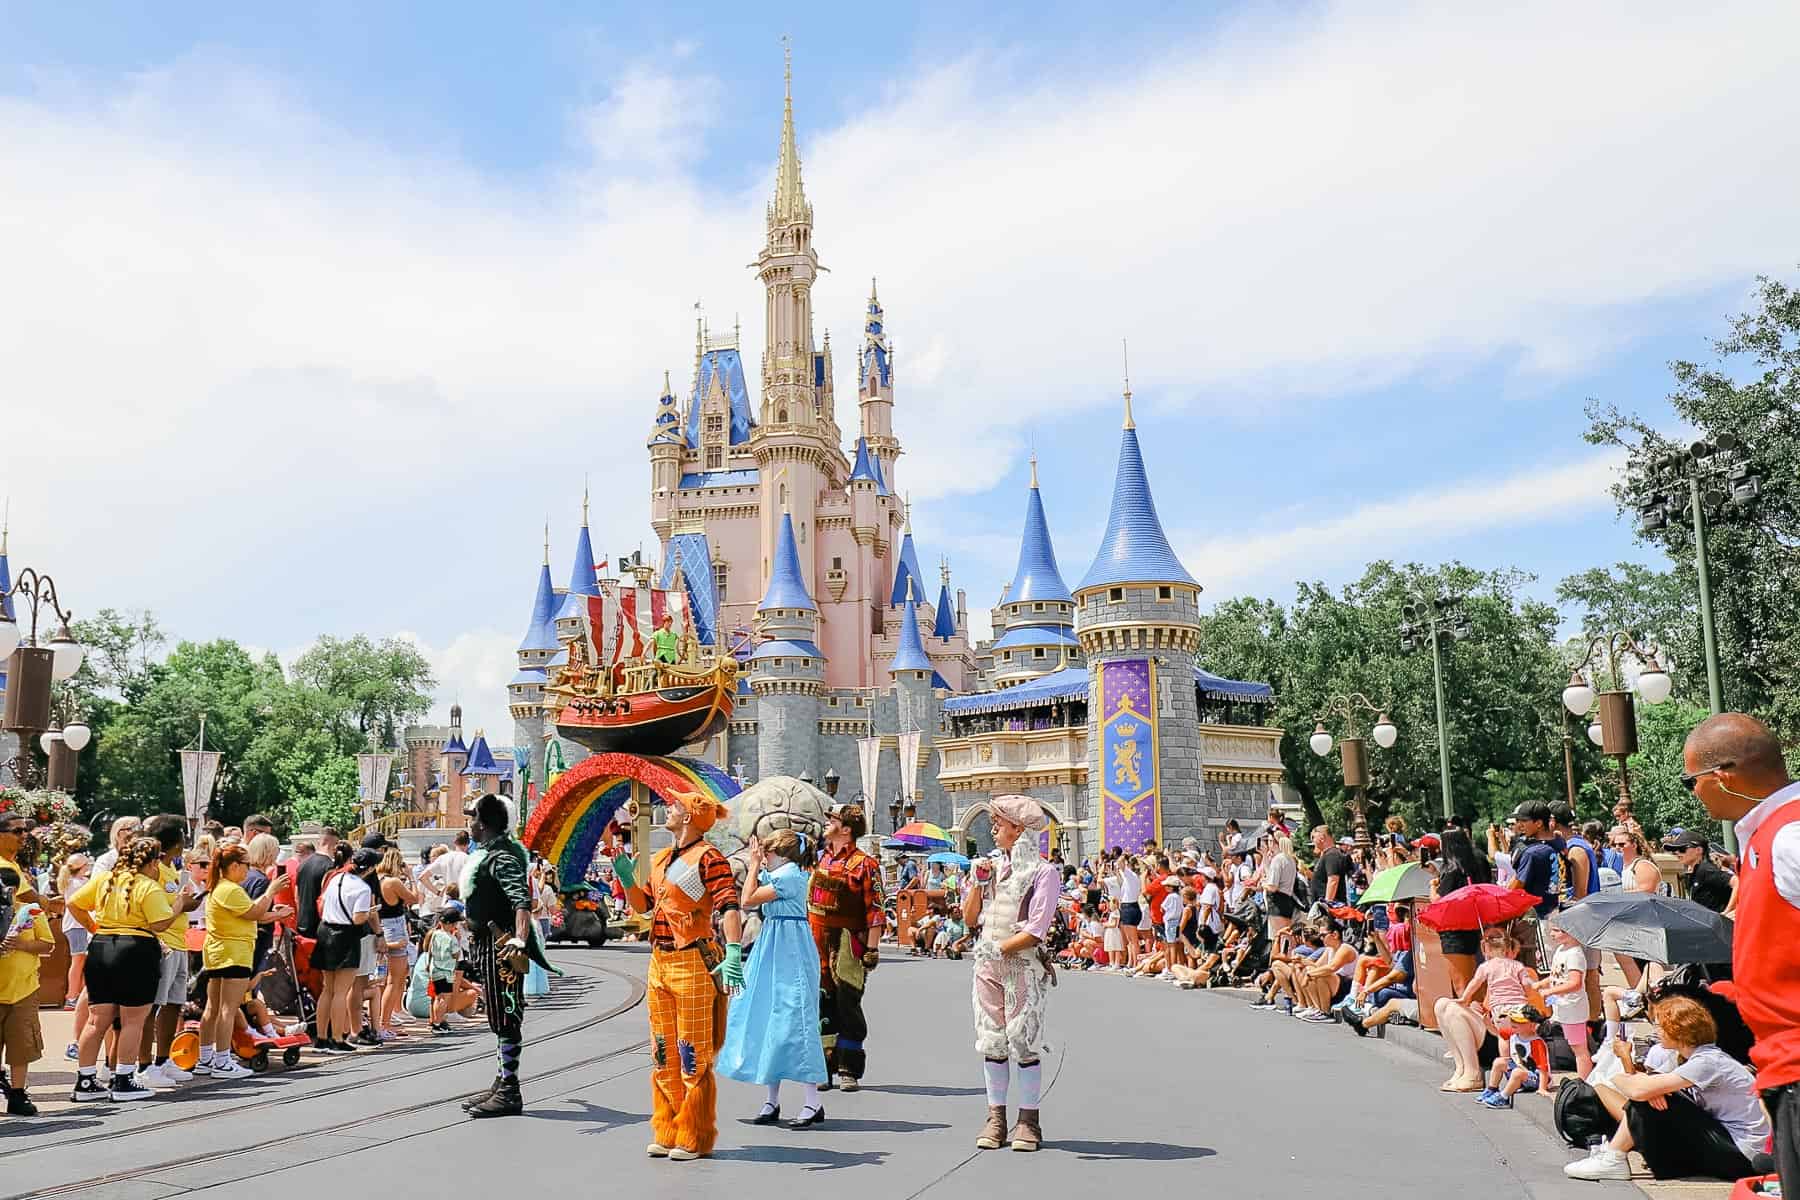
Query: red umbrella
point(1477, 905)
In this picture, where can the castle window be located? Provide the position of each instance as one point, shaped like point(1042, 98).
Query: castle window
point(837, 564)
point(715, 423)
point(781, 495)
point(715, 458)
point(781, 417)
point(1038, 653)
point(720, 572)
point(1115, 595)
point(1165, 592)
point(803, 533)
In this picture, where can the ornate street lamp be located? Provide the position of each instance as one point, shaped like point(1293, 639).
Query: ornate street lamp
point(1353, 750)
point(1614, 724)
point(32, 668)
point(1437, 622)
point(832, 780)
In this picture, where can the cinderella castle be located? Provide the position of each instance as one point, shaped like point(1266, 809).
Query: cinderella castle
point(793, 542)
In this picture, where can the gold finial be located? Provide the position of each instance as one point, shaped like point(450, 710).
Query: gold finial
point(584, 501)
point(1129, 423)
point(668, 388)
point(546, 541)
point(909, 512)
point(790, 194)
point(5, 525)
point(787, 64)
point(909, 598)
point(944, 568)
point(873, 298)
point(1034, 482)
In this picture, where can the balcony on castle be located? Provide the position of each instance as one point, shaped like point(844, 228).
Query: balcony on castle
point(1012, 759)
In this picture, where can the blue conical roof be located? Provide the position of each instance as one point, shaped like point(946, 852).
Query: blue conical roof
point(581, 575)
point(455, 744)
point(1037, 576)
point(908, 570)
point(1134, 548)
point(910, 656)
point(541, 634)
point(481, 759)
point(944, 626)
point(787, 587)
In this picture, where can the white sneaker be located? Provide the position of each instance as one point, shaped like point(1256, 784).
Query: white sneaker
point(1604, 1163)
point(229, 1069)
point(202, 1069)
point(164, 1075)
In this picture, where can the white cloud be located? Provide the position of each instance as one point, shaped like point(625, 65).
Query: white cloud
point(290, 369)
point(472, 670)
point(1250, 556)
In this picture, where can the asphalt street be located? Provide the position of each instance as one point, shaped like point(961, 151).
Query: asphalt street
point(1148, 1086)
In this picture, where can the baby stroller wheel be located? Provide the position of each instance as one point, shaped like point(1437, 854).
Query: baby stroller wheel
point(259, 1062)
point(184, 1052)
point(290, 1056)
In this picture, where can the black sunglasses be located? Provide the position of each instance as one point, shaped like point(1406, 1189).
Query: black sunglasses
point(1688, 781)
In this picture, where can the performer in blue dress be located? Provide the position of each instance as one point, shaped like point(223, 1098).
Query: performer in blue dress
point(772, 1032)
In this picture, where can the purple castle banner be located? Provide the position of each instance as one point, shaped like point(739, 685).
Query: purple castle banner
point(1130, 803)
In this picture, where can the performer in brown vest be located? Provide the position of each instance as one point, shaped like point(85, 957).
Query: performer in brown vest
point(845, 908)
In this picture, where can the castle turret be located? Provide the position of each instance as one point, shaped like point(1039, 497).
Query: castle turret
point(787, 668)
point(582, 582)
point(456, 756)
point(875, 387)
point(909, 581)
point(666, 442)
point(1034, 621)
point(483, 773)
point(525, 694)
point(943, 622)
point(1138, 620)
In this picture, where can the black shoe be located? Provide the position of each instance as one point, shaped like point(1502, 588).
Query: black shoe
point(769, 1116)
point(481, 1097)
point(129, 1088)
point(809, 1116)
point(366, 1038)
point(18, 1104)
point(88, 1090)
point(504, 1102)
point(1355, 1022)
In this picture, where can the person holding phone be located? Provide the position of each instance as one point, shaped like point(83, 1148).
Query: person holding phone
point(229, 957)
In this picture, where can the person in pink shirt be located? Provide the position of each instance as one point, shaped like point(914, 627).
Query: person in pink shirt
point(1492, 997)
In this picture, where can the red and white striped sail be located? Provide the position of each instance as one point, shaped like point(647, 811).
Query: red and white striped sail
point(622, 620)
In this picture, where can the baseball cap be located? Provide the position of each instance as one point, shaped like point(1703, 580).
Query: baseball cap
point(365, 858)
point(1683, 839)
point(1429, 842)
point(375, 841)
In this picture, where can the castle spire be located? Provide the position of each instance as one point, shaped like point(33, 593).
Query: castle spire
point(1037, 576)
point(787, 587)
point(790, 205)
point(1129, 423)
point(1134, 548)
point(943, 623)
point(910, 654)
point(546, 541)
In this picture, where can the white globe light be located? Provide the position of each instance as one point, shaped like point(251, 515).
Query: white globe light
point(1596, 734)
point(76, 736)
point(1385, 733)
point(47, 741)
point(1654, 685)
point(9, 636)
point(1320, 743)
point(1578, 697)
point(67, 655)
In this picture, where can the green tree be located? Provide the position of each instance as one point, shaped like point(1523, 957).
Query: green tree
point(328, 793)
point(1658, 607)
point(363, 687)
point(1502, 686)
point(1751, 391)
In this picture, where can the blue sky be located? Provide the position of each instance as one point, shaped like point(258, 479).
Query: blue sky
point(342, 303)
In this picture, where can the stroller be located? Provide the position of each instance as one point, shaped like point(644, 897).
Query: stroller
point(281, 990)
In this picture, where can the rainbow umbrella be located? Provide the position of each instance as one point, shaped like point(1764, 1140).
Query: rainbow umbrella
point(921, 835)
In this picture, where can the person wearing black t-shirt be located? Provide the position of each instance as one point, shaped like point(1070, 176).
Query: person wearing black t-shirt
point(312, 865)
point(1331, 873)
point(1708, 884)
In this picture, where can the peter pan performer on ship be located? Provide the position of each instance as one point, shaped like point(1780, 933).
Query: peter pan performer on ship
point(690, 975)
point(844, 905)
point(1014, 902)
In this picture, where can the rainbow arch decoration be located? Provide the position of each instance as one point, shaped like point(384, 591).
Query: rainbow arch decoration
point(568, 822)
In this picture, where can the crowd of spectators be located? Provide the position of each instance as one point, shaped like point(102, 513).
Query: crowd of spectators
point(209, 941)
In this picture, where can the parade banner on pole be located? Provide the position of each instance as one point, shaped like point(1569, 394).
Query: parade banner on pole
point(1130, 796)
point(909, 766)
point(868, 757)
point(372, 771)
point(199, 771)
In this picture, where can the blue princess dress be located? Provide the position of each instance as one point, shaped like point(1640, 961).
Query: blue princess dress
point(772, 1030)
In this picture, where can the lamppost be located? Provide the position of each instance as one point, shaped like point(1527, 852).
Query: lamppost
point(832, 781)
point(1713, 481)
point(1353, 750)
point(1436, 622)
point(33, 668)
point(1614, 727)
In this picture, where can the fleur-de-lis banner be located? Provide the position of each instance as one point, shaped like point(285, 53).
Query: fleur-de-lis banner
point(1130, 799)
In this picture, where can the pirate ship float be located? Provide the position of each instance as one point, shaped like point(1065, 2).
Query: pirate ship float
point(618, 693)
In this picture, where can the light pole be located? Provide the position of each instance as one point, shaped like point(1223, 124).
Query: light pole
point(1614, 728)
point(1353, 750)
point(1697, 482)
point(31, 671)
point(1436, 622)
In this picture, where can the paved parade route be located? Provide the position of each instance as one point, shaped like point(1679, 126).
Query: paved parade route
point(1148, 1087)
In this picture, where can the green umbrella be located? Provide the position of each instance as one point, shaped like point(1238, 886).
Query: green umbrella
point(1408, 881)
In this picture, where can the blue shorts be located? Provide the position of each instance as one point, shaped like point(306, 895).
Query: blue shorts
point(1398, 992)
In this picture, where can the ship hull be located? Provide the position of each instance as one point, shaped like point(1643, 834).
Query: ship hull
point(654, 722)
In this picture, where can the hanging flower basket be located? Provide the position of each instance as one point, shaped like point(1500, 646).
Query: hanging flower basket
point(43, 806)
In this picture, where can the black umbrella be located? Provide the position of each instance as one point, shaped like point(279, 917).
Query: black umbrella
point(1646, 925)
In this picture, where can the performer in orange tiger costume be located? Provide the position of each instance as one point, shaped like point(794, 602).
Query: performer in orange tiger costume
point(690, 975)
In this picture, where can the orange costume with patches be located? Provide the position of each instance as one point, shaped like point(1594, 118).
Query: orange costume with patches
point(687, 886)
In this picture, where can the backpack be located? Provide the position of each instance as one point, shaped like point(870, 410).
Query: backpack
point(1579, 1115)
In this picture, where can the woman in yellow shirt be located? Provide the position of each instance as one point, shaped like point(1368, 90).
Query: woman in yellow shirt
point(128, 908)
point(229, 956)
